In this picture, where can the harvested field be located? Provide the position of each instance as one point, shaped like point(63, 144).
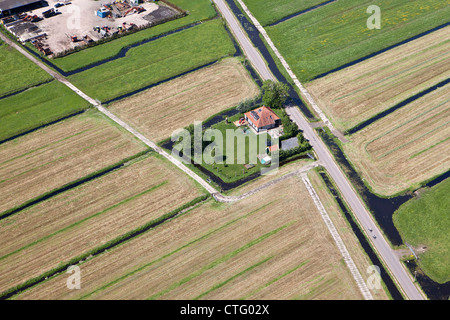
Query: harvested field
point(159, 111)
point(51, 233)
point(272, 245)
point(406, 147)
point(359, 92)
point(359, 256)
point(54, 156)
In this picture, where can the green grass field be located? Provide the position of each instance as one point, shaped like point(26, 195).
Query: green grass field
point(333, 35)
point(18, 72)
point(235, 170)
point(156, 61)
point(425, 221)
point(268, 12)
point(37, 106)
point(198, 10)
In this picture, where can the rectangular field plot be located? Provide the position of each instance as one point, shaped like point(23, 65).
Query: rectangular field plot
point(272, 245)
point(406, 147)
point(37, 106)
point(336, 34)
point(18, 72)
point(267, 12)
point(359, 92)
point(156, 61)
point(54, 156)
point(173, 105)
point(199, 10)
point(72, 223)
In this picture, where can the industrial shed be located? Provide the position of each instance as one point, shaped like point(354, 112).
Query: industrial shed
point(8, 7)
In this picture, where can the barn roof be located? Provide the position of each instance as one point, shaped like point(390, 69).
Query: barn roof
point(289, 143)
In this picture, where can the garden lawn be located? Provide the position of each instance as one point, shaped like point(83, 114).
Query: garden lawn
point(37, 106)
point(336, 34)
point(426, 221)
point(235, 170)
point(18, 72)
point(156, 61)
point(198, 10)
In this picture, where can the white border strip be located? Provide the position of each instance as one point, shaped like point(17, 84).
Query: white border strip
point(338, 240)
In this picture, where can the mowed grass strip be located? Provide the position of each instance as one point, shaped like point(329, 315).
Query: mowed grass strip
point(85, 218)
point(156, 61)
point(18, 72)
point(390, 153)
point(54, 156)
point(267, 12)
point(333, 35)
point(280, 222)
point(424, 222)
point(198, 10)
point(36, 107)
point(158, 111)
point(361, 91)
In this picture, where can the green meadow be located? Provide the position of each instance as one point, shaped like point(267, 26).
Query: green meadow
point(426, 221)
point(336, 34)
point(37, 106)
point(267, 12)
point(198, 10)
point(156, 61)
point(18, 72)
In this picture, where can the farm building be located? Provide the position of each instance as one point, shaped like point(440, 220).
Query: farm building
point(8, 7)
point(289, 143)
point(262, 118)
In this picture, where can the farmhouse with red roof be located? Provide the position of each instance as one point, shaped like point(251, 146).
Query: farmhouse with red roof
point(262, 118)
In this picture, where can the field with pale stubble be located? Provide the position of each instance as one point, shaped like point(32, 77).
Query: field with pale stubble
point(271, 245)
point(357, 93)
point(57, 155)
point(158, 111)
point(406, 147)
point(78, 221)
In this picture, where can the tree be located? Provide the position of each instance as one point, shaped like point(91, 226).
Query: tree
point(275, 93)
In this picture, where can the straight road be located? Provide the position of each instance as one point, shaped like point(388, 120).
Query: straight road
point(391, 261)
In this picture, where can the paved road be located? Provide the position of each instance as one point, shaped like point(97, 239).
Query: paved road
point(362, 214)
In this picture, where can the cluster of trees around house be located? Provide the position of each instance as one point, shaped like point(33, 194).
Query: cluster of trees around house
point(274, 96)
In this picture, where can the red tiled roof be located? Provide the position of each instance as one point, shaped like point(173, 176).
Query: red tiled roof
point(262, 116)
